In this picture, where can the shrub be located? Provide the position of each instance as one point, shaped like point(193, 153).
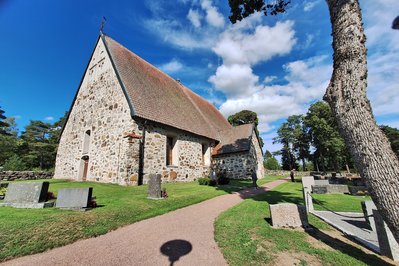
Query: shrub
point(14, 163)
point(212, 182)
point(204, 181)
point(271, 164)
point(222, 178)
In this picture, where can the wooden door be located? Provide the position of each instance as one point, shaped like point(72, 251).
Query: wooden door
point(85, 169)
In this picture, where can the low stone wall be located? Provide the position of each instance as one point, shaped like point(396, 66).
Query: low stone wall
point(285, 173)
point(24, 175)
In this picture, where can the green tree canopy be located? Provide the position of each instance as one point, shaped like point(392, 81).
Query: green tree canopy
point(246, 117)
point(393, 136)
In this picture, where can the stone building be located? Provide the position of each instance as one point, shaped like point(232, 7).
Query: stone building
point(129, 119)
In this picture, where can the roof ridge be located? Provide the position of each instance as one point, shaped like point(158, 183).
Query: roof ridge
point(158, 97)
point(143, 60)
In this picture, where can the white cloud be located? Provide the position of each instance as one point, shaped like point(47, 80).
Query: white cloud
point(378, 16)
point(237, 46)
point(172, 67)
point(309, 5)
point(269, 79)
point(194, 17)
point(306, 81)
point(213, 17)
point(235, 80)
point(17, 117)
point(382, 43)
point(244, 45)
point(175, 33)
point(49, 118)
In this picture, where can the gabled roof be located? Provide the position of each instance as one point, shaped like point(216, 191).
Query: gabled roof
point(236, 139)
point(155, 96)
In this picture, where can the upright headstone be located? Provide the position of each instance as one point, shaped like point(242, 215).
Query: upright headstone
point(27, 195)
point(388, 245)
point(74, 198)
point(307, 183)
point(368, 206)
point(154, 186)
point(288, 215)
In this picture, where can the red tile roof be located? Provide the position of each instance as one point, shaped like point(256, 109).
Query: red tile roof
point(236, 139)
point(155, 96)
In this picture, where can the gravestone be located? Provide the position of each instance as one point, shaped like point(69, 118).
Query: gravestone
point(74, 198)
point(154, 186)
point(321, 182)
point(387, 243)
point(330, 189)
point(27, 195)
point(288, 215)
point(368, 206)
point(307, 183)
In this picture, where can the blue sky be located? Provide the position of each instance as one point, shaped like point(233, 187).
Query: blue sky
point(275, 66)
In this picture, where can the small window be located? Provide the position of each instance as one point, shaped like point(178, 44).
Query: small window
point(170, 143)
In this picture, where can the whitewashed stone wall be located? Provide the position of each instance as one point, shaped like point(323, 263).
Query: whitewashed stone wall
point(239, 165)
point(102, 108)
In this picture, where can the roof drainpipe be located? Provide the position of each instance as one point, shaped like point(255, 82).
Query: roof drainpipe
point(141, 156)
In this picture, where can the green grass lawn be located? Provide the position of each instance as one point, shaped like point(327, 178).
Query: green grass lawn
point(250, 240)
point(28, 231)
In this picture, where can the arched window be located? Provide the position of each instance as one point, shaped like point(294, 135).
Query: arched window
point(86, 142)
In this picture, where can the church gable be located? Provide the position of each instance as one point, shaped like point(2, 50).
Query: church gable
point(92, 141)
point(129, 119)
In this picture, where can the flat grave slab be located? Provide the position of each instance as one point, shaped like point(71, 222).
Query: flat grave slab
point(27, 195)
point(74, 198)
point(288, 215)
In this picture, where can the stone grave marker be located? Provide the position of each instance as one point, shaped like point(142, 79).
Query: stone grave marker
point(321, 182)
point(288, 215)
point(368, 206)
point(74, 198)
point(154, 186)
point(307, 183)
point(387, 243)
point(27, 195)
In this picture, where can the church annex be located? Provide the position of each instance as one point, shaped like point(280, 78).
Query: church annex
point(129, 119)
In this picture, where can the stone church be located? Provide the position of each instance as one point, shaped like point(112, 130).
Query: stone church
point(129, 119)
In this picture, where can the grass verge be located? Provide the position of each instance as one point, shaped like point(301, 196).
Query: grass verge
point(251, 240)
point(29, 231)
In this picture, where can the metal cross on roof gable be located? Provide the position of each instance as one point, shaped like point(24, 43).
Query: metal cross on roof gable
point(102, 24)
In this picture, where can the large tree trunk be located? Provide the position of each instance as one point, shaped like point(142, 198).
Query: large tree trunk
point(346, 95)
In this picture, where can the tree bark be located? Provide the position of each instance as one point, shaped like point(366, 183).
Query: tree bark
point(346, 95)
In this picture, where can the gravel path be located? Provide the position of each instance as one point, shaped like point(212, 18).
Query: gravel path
point(181, 237)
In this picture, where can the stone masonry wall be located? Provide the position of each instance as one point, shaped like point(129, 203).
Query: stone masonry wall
point(102, 108)
point(188, 164)
point(239, 165)
point(24, 175)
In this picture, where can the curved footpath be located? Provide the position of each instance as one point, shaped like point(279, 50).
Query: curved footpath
point(140, 243)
